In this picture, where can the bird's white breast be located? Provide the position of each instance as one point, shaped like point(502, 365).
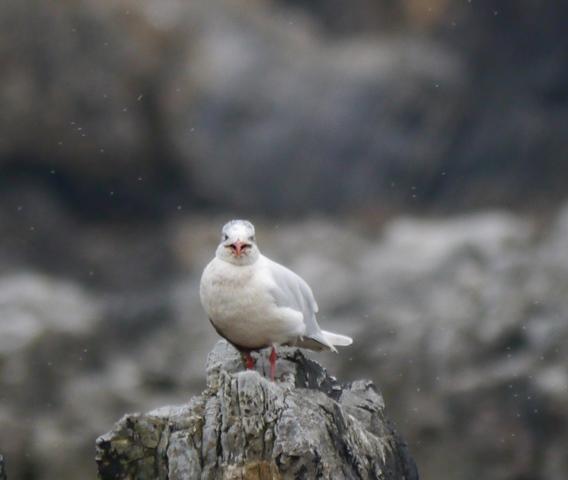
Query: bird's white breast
point(237, 299)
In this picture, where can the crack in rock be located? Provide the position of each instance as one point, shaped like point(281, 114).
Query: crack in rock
point(244, 427)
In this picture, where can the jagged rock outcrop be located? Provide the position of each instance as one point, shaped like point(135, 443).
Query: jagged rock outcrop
point(305, 425)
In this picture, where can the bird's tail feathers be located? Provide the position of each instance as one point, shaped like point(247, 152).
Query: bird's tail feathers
point(324, 340)
point(336, 339)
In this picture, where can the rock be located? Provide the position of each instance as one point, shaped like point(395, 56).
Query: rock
point(461, 321)
point(124, 108)
point(355, 98)
point(46, 330)
point(243, 426)
point(33, 306)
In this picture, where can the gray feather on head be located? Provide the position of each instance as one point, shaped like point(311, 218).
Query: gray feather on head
point(245, 224)
point(242, 228)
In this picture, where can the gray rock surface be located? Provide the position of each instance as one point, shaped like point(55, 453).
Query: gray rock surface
point(305, 425)
point(46, 327)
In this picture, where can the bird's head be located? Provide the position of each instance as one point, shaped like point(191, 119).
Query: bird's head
point(238, 243)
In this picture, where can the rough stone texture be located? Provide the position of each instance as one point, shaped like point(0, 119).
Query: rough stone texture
point(306, 425)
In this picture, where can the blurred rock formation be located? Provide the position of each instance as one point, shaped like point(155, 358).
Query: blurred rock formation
point(462, 322)
point(304, 425)
point(132, 107)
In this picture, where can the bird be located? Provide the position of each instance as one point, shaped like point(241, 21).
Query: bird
point(255, 303)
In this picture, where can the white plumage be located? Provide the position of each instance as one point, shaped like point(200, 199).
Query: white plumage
point(255, 302)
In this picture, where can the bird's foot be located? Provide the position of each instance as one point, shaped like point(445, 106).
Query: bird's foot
point(249, 361)
point(273, 363)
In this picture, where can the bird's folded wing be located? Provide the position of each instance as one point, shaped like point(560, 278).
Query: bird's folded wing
point(291, 291)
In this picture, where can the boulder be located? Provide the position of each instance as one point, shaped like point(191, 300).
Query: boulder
point(304, 425)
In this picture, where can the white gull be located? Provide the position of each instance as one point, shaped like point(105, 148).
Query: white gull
point(255, 303)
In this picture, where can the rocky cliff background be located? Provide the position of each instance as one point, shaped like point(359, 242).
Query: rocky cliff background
point(409, 159)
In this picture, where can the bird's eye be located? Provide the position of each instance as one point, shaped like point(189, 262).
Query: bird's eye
point(225, 237)
point(251, 239)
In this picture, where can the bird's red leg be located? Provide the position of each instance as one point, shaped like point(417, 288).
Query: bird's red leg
point(249, 361)
point(273, 363)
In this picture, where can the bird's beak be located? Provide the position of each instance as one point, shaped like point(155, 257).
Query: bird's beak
point(238, 246)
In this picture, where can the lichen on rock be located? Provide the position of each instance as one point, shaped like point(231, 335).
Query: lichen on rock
point(306, 425)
